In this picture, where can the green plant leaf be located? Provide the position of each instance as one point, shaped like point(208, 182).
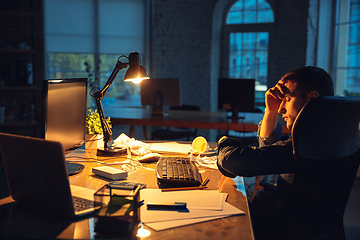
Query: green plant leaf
point(93, 124)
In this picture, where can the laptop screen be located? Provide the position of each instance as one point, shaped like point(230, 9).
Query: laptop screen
point(64, 111)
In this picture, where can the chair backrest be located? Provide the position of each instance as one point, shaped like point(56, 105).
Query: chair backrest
point(326, 148)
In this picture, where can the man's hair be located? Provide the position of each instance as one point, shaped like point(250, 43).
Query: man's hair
point(311, 78)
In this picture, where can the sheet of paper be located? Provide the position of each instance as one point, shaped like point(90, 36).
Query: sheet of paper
point(228, 211)
point(170, 147)
point(202, 205)
point(214, 199)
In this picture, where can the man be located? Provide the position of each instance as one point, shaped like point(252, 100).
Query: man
point(274, 156)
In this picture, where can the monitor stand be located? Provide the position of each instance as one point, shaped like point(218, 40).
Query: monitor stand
point(158, 105)
point(74, 168)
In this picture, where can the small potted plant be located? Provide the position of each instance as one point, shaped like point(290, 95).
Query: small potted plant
point(94, 133)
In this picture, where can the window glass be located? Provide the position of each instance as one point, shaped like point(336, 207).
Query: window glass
point(121, 93)
point(354, 44)
point(250, 11)
point(68, 65)
point(353, 59)
point(80, 65)
point(354, 10)
point(347, 62)
point(74, 42)
point(248, 59)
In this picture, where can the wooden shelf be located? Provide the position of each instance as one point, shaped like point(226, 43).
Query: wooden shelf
point(17, 88)
point(16, 14)
point(21, 51)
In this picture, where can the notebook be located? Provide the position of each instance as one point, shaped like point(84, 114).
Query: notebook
point(37, 175)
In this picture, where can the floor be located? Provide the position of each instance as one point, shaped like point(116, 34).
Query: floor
point(352, 211)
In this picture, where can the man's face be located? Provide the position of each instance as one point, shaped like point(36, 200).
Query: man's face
point(291, 103)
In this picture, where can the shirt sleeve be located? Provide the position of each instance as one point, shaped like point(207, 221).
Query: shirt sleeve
point(272, 138)
point(233, 159)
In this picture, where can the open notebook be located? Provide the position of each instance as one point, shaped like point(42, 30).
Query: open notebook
point(37, 176)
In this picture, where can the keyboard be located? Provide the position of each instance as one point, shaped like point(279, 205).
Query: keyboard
point(177, 172)
point(81, 204)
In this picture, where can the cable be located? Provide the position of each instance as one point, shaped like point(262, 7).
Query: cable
point(126, 166)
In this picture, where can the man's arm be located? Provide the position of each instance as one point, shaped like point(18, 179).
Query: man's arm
point(235, 160)
point(269, 122)
point(271, 138)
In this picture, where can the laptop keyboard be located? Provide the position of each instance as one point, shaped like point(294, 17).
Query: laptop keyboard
point(177, 172)
point(81, 204)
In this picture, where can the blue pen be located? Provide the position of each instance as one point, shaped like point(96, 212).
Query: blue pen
point(167, 206)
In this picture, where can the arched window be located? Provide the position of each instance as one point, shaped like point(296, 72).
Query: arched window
point(245, 43)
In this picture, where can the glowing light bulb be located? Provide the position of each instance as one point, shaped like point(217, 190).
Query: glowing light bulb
point(137, 80)
point(142, 232)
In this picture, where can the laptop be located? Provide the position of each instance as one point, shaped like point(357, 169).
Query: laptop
point(37, 176)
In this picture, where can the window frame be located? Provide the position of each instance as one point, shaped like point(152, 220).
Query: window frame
point(241, 28)
point(341, 25)
point(227, 29)
point(103, 73)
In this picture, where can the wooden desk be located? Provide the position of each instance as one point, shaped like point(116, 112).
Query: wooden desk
point(183, 119)
point(17, 221)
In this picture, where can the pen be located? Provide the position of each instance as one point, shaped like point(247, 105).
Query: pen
point(182, 189)
point(169, 206)
point(205, 182)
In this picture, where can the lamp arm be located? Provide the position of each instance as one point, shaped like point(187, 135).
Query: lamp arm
point(104, 124)
point(119, 65)
point(99, 95)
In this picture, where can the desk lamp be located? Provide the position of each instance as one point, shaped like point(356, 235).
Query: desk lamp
point(136, 73)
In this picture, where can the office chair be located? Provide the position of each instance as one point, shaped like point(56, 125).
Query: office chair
point(176, 133)
point(326, 148)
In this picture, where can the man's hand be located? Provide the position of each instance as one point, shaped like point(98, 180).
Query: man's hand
point(220, 182)
point(274, 96)
point(222, 138)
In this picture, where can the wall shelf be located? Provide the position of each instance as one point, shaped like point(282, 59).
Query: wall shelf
point(22, 65)
point(16, 14)
point(17, 88)
point(20, 51)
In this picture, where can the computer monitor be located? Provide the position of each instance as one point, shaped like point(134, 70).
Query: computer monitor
point(159, 92)
point(64, 111)
point(236, 95)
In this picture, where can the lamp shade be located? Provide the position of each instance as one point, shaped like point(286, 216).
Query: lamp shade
point(136, 73)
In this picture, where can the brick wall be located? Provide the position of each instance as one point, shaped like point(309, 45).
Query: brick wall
point(289, 42)
point(181, 38)
point(181, 42)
